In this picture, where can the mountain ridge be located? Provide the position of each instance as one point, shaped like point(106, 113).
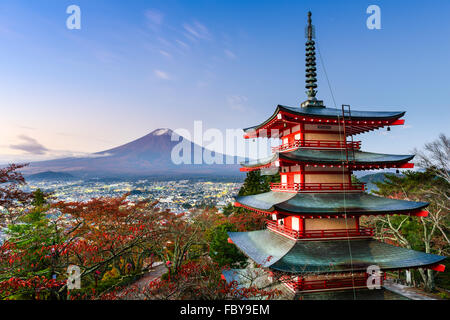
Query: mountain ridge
point(147, 155)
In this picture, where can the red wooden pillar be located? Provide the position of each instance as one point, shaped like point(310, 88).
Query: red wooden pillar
point(290, 179)
point(299, 283)
point(302, 176)
point(302, 134)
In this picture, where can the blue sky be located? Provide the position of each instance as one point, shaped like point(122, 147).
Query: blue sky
point(140, 65)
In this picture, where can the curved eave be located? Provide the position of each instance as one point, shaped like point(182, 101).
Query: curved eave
point(330, 113)
point(307, 156)
point(337, 156)
point(279, 253)
point(328, 204)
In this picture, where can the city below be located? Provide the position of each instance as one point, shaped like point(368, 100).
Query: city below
point(176, 196)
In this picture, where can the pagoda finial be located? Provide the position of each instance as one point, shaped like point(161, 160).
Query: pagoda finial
point(310, 27)
point(311, 80)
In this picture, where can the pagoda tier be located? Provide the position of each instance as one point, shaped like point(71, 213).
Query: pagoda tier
point(276, 252)
point(355, 160)
point(328, 205)
point(318, 120)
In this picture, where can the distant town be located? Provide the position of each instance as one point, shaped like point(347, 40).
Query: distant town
point(175, 195)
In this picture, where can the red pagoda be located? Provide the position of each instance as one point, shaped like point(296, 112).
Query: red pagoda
point(313, 233)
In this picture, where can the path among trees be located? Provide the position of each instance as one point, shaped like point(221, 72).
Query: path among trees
point(155, 273)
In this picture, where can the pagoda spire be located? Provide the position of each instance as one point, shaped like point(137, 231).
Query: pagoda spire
point(311, 80)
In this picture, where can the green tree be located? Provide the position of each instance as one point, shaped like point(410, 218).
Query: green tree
point(222, 252)
point(228, 210)
point(39, 198)
point(256, 183)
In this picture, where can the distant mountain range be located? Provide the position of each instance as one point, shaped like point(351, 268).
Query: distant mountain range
point(50, 175)
point(371, 179)
point(146, 156)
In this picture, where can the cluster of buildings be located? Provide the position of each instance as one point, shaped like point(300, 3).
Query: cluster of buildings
point(176, 195)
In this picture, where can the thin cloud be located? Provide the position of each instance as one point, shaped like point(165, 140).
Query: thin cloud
point(182, 44)
point(30, 146)
point(196, 30)
point(230, 54)
point(162, 75)
point(237, 102)
point(26, 127)
point(165, 54)
point(154, 18)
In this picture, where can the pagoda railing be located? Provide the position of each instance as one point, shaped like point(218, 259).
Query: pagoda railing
point(332, 283)
point(317, 187)
point(318, 234)
point(319, 144)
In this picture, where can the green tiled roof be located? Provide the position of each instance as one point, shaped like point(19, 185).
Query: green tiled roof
point(333, 113)
point(331, 157)
point(282, 254)
point(328, 203)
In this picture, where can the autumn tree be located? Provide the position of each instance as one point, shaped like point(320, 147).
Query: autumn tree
point(112, 232)
point(202, 280)
point(431, 184)
point(12, 198)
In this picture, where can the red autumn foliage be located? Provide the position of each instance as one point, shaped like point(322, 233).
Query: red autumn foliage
point(11, 196)
point(200, 280)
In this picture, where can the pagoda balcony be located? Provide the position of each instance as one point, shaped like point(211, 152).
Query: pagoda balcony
point(319, 234)
point(318, 187)
point(317, 144)
point(337, 283)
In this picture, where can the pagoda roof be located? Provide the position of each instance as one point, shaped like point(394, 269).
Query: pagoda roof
point(330, 157)
point(331, 113)
point(327, 204)
point(277, 252)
